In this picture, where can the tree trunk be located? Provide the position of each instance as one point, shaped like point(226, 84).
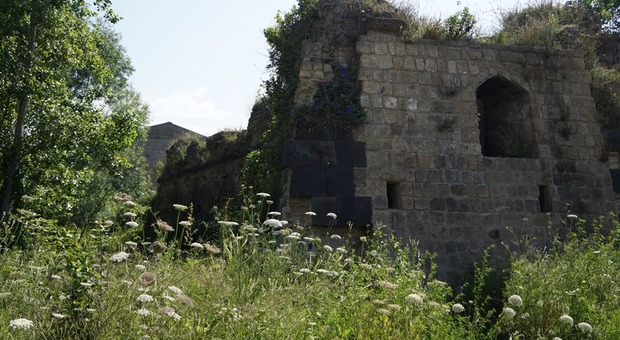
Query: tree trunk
point(16, 154)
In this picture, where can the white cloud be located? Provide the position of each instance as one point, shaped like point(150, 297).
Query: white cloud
point(194, 110)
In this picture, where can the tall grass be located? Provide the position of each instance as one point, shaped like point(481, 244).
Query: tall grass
point(262, 280)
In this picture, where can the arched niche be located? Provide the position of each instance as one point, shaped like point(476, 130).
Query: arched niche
point(506, 128)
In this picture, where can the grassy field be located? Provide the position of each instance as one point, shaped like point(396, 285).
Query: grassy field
point(266, 279)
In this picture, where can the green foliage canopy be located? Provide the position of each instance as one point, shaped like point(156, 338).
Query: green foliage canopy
point(67, 112)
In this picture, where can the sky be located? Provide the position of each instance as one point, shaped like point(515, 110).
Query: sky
point(200, 63)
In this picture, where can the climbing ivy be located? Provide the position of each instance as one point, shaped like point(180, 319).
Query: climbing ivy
point(262, 169)
point(335, 103)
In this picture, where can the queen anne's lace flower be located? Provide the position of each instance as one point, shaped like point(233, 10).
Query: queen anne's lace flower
point(20, 323)
point(144, 298)
point(197, 246)
point(567, 319)
point(143, 312)
point(585, 327)
point(170, 312)
point(272, 223)
point(414, 299)
point(131, 224)
point(175, 290)
point(179, 207)
point(458, 308)
point(263, 194)
point(509, 312)
point(119, 257)
point(515, 300)
point(335, 237)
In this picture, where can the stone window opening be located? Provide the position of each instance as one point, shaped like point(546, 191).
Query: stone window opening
point(505, 122)
point(393, 195)
point(544, 198)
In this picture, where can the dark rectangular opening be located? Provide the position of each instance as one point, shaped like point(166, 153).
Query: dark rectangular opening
point(544, 198)
point(393, 195)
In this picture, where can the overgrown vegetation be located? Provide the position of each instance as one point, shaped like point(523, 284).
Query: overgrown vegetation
point(581, 25)
point(268, 278)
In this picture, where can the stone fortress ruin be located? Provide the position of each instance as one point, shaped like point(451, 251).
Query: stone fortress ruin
point(460, 141)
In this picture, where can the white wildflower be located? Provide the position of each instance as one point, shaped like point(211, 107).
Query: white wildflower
point(143, 312)
point(20, 323)
point(414, 299)
point(509, 312)
point(130, 214)
point(141, 267)
point(56, 277)
point(131, 244)
point(341, 250)
point(386, 284)
point(175, 290)
point(119, 257)
point(144, 298)
point(383, 311)
point(336, 237)
point(273, 213)
point(168, 297)
point(108, 222)
point(228, 223)
point(197, 246)
point(179, 207)
point(310, 213)
point(363, 239)
point(332, 215)
point(515, 300)
point(572, 216)
point(263, 195)
point(567, 319)
point(585, 327)
point(131, 224)
point(86, 284)
point(130, 203)
point(328, 248)
point(185, 223)
point(272, 223)
point(170, 312)
point(458, 308)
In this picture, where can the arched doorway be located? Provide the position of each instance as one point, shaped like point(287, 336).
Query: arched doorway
point(505, 124)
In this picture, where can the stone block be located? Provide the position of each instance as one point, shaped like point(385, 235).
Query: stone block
point(340, 182)
point(308, 182)
point(307, 153)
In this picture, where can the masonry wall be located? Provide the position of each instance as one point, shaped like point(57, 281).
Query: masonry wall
point(426, 173)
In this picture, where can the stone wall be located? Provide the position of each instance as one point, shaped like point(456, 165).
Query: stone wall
point(160, 138)
point(427, 175)
point(462, 140)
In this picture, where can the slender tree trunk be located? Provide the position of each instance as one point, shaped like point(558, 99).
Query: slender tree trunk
point(16, 154)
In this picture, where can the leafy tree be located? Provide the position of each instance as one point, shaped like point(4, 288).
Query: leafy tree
point(461, 25)
point(67, 113)
point(609, 10)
